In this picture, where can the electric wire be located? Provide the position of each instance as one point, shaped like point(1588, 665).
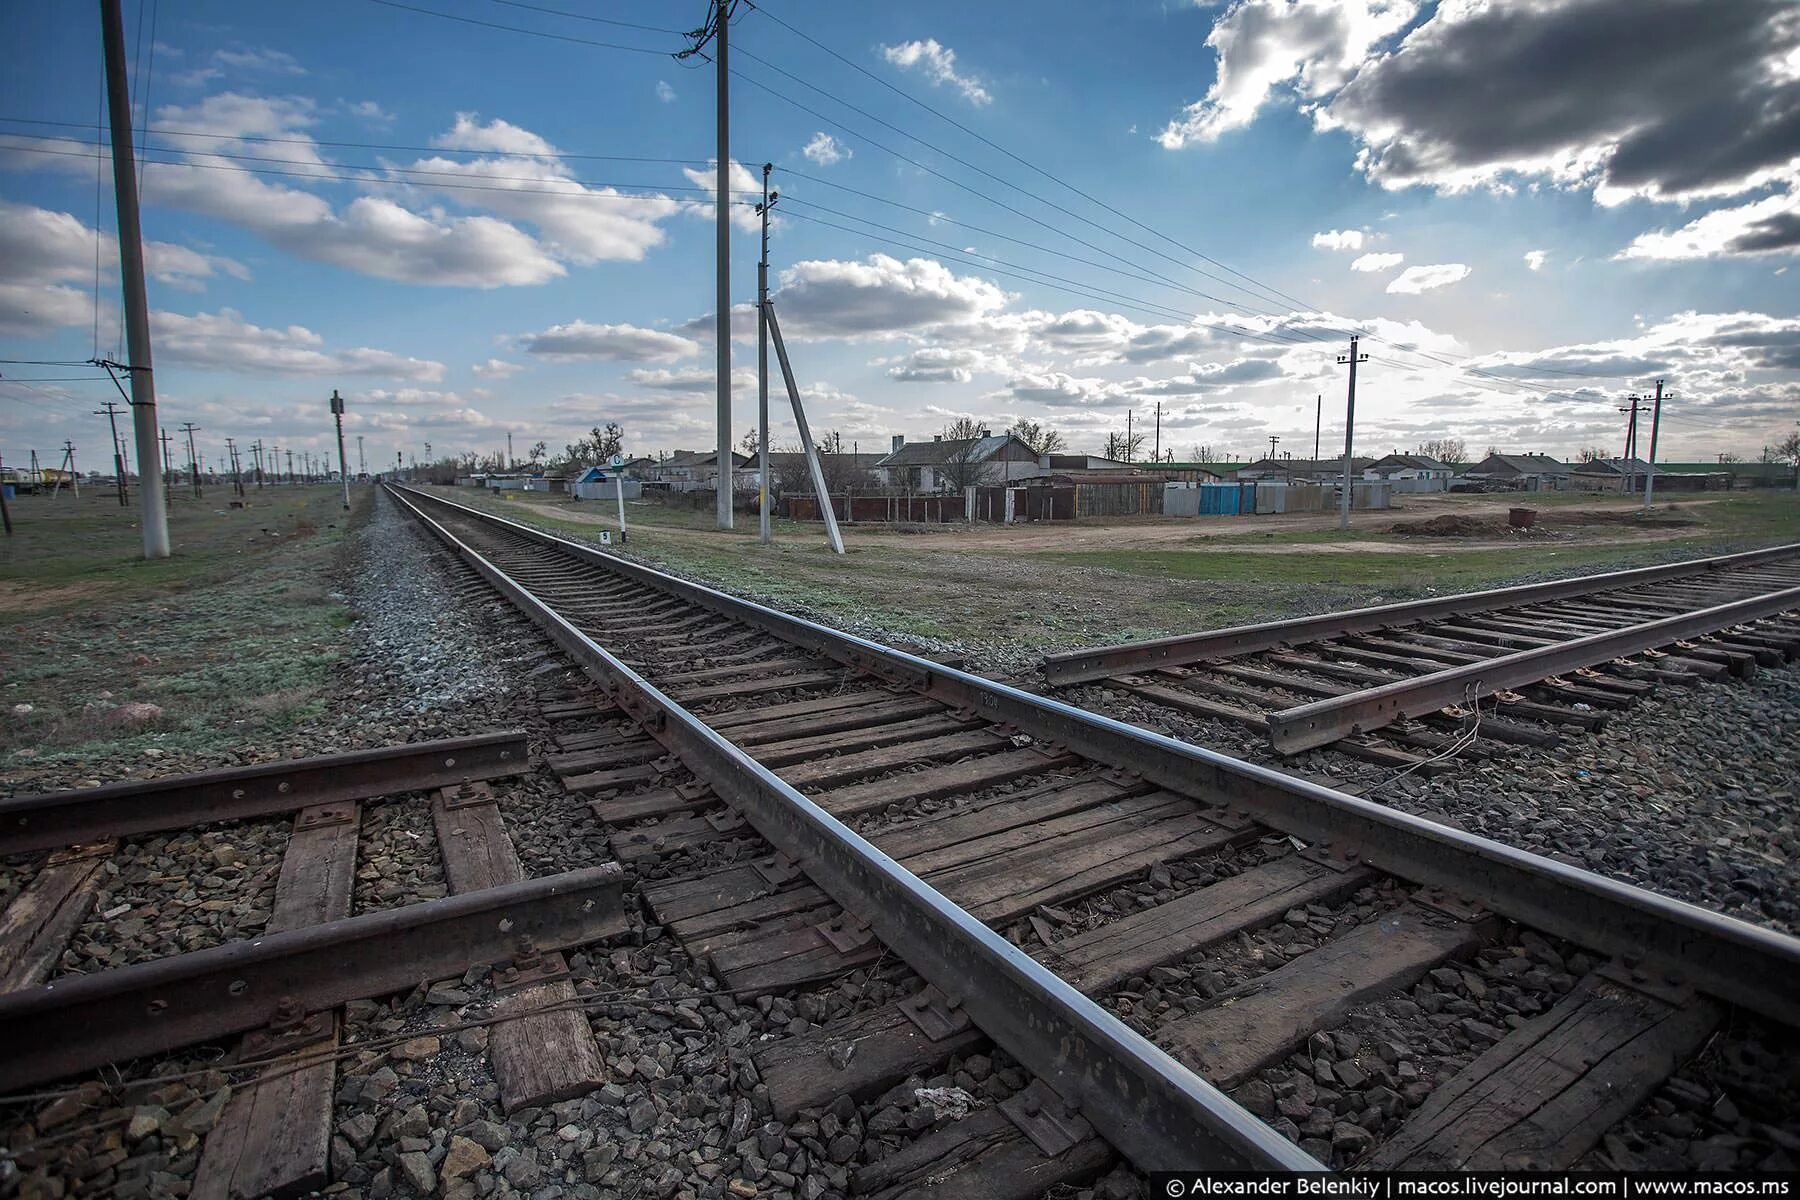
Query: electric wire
point(559, 37)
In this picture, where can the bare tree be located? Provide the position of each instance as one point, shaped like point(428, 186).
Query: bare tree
point(1449, 451)
point(962, 465)
point(747, 445)
point(1204, 454)
point(1789, 450)
point(1121, 448)
point(1041, 438)
point(1588, 454)
point(595, 449)
point(536, 455)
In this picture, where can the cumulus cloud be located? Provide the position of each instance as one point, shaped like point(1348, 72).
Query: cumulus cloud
point(664, 92)
point(225, 341)
point(1377, 262)
point(1535, 259)
point(741, 182)
point(938, 64)
point(1263, 45)
point(944, 364)
point(826, 150)
point(880, 296)
point(496, 368)
point(611, 343)
point(1338, 239)
point(1585, 108)
point(1414, 280)
point(1767, 226)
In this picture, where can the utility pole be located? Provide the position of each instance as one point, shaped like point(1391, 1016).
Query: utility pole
point(193, 459)
point(1655, 428)
point(509, 453)
point(5, 511)
point(1273, 439)
point(69, 463)
point(131, 269)
point(237, 481)
point(1630, 408)
point(168, 501)
point(111, 413)
point(1318, 424)
point(718, 31)
point(290, 462)
point(337, 411)
point(362, 465)
point(1128, 457)
point(762, 362)
point(1349, 430)
point(1156, 449)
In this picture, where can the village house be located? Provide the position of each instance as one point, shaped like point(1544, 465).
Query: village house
point(1612, 475)
point(1422, 470)
point(951, 464)
point(1301, 470)
point(691, 470)
point(1531, 472)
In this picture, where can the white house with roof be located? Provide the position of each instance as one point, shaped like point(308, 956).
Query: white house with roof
point(950, 464)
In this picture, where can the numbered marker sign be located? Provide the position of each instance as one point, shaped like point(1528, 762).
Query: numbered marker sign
point(618, 460)
point(606, 537)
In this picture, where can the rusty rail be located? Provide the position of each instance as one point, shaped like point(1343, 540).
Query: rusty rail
point(54, 819)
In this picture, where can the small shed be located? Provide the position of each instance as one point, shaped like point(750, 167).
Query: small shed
point(602, 483)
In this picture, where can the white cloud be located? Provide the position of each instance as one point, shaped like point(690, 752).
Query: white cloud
point(742, 184)
point(944, 364)
point(1767, 226)
point(880, 296)
point(496, 368)
point(1377, 262)
point(1262, 45)
point(664, 92)
point(938, 63)
point(826, 150)
point(1414, 280)
point(1338, 239)
point(225, 341)
point(1535, 259)
point(611, 343)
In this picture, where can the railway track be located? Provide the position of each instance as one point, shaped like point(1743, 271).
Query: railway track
point(1130, 919)
point(1469, 674)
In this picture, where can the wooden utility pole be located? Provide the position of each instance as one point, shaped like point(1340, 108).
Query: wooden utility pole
point(1634, 402)
point(1156, 449)
point(193, 459)
point(69, 464)
point(131, 270)
point(168, 501)
point(111, 413)
point(1318, 424)
point(1349, 431)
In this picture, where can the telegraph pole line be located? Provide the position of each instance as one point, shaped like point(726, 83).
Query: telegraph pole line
point(337, 411)
point(762, 362)
point(193, 459)
point(290, 462)
point(1655, 428)
point(131, 270)
point(1630, 408)
point(1349, 430)
point(111, 413)
point(69, 464)
point(237, 482)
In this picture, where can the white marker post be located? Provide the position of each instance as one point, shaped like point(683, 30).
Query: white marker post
point(618, 461)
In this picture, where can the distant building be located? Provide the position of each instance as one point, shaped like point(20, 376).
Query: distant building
point(1408, 466)
point(1612, 475)
point(945, 464)
point(1302, 470)
point(1532, 472)
point(691, 470)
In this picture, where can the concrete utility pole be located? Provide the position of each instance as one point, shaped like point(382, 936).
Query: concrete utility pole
point(193, 459)
point(723, 251)
point(290, 462)
point(812, 451)
point(5, 511)
point(131, 269)
point(762, 362)
point(509, 453)
point(1349, 431)
point(1128, 457)
point(1156, 448)
point(362, 465)
point(1655, 427)
point(1318, 423)
point(337, 411)
point(111, 413)
point(1631, 409)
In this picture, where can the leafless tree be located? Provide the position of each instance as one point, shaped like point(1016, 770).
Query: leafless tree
point(1589, 454)
point(1449, 451)
point(962, 466)
point(1204, 454)
point(1041, 438)
point(1121, 448)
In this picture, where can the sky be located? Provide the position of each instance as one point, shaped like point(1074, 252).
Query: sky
point(477, 218)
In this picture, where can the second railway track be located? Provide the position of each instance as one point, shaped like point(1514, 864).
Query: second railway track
point(804, 803)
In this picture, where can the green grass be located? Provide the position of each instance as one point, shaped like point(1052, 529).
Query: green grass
point(234, 636)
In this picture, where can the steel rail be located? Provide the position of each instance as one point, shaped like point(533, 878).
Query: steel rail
point(1325, 721)
point(1102, 662)
point(1734, 960)
point(55, 819)
point(1147, 1105)
point(86, 1021)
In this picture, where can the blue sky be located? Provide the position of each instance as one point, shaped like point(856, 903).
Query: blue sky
point(1515, 204)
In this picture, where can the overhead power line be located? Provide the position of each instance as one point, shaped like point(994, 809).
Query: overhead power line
point(559, 37)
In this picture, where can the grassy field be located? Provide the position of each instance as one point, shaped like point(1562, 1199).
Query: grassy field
point(1016, 593)
point(231, 637)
